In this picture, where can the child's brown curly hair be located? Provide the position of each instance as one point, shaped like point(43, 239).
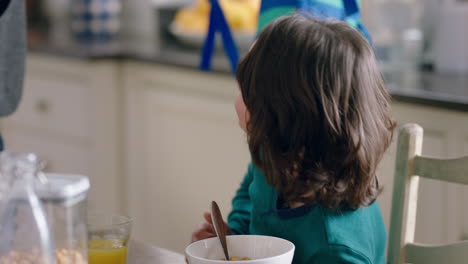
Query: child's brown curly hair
point(319, 113)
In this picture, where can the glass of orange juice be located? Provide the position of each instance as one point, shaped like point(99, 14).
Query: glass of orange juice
point(108, 238)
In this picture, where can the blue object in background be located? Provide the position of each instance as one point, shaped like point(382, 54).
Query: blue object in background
point(219, 24)
point(95, 20)
point(345, 10)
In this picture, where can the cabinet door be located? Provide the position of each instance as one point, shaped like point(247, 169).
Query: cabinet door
point(59, 104)
point(60, 156)
point(69, 116)
point(188, 150)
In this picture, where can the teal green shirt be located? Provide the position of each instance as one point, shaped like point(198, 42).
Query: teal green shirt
point(320, 235)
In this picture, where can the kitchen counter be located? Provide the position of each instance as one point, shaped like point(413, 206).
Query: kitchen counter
point(422, 88)
point(146, 51)
point(431, 89)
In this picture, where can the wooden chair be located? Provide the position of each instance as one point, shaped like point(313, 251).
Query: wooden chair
point(410, 165)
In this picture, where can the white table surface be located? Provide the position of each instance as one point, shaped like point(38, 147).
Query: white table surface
point(140, 253)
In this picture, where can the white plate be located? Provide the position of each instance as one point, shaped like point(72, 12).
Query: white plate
point(243, 40)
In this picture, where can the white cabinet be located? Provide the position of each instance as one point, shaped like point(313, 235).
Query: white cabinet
point(442, 214)
point(69, 116)
point(184, 149)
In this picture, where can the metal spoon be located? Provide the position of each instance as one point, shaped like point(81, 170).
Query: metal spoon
point(219, 227)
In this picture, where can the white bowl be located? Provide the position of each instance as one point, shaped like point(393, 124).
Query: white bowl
point(259, 249)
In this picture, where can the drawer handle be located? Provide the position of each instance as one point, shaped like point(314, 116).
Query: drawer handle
point(43, 106)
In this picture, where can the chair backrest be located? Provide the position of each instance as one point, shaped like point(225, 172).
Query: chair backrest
point(409, 166)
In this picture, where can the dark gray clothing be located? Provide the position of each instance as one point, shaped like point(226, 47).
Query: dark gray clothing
point(12, 54)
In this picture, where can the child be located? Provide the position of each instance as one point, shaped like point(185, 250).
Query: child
point(317, 119)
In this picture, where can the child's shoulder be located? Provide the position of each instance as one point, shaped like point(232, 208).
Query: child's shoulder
point(362, 229)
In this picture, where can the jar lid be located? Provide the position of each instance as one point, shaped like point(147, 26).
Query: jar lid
point(62, 187)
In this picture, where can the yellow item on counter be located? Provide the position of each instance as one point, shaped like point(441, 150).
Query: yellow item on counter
point(190, 19)
point(241, 15)
point(203, 6)
point(112, 251)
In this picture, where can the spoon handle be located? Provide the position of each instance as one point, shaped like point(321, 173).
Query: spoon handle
point(219, 227)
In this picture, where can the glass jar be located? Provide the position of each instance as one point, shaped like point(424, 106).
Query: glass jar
point(42, 216)
point(24, 232)
point(63, 197)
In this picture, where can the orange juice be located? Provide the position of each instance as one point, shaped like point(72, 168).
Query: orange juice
point(112, 251)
